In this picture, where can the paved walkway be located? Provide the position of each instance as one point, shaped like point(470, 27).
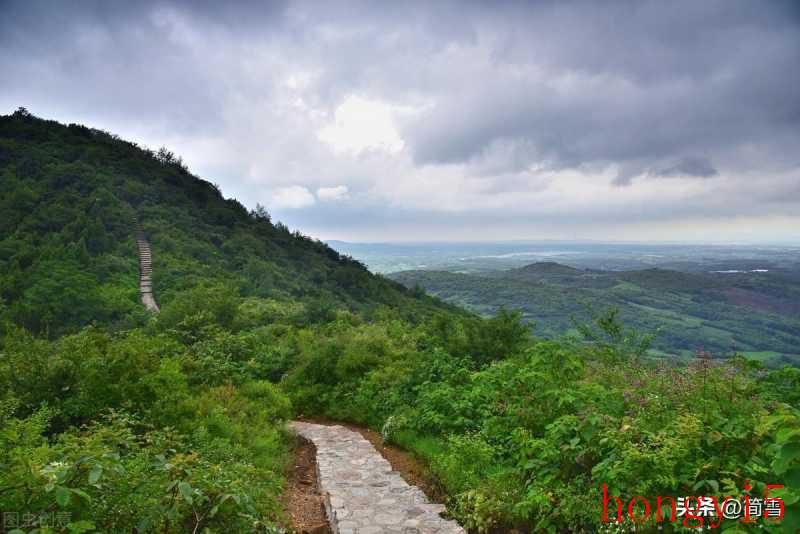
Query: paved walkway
point(362, 494)
point(145, 271)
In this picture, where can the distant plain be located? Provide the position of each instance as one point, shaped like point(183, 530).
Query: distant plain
point(724, 299)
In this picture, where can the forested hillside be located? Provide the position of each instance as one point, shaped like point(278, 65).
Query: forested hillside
point(113, 419)
point(128, 420)
point(754, 313)
point(69, 197)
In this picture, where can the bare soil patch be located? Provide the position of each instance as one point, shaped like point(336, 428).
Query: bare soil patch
point(303, 501)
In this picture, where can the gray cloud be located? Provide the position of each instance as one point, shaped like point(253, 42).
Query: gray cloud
point(518, 112)
point(699, 167)
point(624, 84)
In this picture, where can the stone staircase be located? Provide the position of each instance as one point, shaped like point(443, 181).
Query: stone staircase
point(361, 492)
point(145, 270)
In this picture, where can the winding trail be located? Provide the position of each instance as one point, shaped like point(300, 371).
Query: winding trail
point(145, 271)
point(362, 494)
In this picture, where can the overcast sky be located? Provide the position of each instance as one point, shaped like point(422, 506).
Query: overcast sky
point(381, 121)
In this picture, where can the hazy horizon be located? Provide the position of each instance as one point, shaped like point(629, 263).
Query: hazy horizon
point(791, 244)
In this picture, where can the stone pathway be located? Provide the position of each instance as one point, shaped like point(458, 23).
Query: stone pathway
point(362, 494)
point(145, 271)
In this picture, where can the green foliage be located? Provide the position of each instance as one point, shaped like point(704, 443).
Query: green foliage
point(612, 340)
point(107, 429)
point(119, 474)
point(529, 438)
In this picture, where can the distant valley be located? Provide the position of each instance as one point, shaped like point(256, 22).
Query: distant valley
point(750, 310)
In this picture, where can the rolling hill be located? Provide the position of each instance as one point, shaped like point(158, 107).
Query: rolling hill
point(750, 312)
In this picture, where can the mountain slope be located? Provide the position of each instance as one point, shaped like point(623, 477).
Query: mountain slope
point(129, 421)
point(69, 196)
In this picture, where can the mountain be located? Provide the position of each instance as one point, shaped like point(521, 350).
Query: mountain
point(71, 197)
point(757, 313)
point(124, 418)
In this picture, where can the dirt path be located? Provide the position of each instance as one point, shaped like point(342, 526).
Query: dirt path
point(303, 501)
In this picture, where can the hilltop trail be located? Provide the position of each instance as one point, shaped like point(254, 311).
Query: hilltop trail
point(361, 492)
point(145, 270)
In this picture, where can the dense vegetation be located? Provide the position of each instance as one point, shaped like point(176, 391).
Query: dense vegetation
point(524, 432)
point(755, 313)
point(113, 420)
point(122, 419)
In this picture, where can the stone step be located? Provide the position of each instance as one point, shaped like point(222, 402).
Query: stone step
point(145, 269)
point(362, 493)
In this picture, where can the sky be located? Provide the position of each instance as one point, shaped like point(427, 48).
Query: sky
point(436, 120)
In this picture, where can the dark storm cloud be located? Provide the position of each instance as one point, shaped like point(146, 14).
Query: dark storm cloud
point(505, 98)
point(691, 166)
point(625, 82)
point(573, 82)
point(127, 60)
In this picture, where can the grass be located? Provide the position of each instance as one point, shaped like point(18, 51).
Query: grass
point(768, 357)
point(425, 448)
point(763, 355)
